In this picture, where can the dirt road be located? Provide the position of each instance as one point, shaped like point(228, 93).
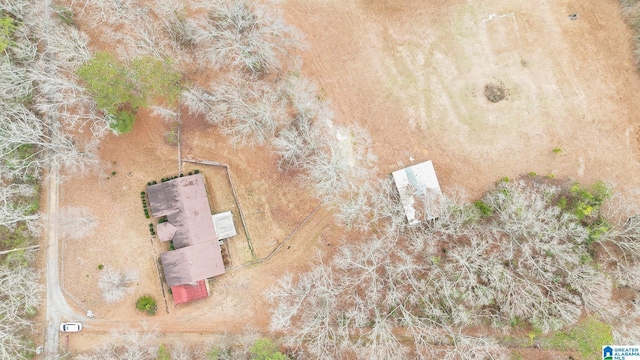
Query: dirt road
point(57, 307)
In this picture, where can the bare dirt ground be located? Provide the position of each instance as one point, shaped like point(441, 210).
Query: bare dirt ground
point(414, 74)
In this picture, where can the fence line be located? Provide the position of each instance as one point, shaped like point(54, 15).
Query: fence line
point(235, 197)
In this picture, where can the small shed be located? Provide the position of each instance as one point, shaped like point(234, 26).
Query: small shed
point(223, 223)
point(419, 191)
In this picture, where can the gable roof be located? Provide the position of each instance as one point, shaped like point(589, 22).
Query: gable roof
point(187, 293)
point(166, 231)
point(185, 204)
point(164, 198)
point(416, 184)
point(193, 263)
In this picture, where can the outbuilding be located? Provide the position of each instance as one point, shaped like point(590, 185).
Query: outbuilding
point(419, 192)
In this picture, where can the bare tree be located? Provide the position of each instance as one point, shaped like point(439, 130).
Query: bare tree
point(20, 295)
point(15, 80)
point(249, 36)
point(77, 222)
point(344, 161)
point(116, 284)
point(528, 261)
point(297, 142)
point(19, 127)
point(126, 344)
point(304, 136)
point(14, 210)
point(180, 351)
point(247, 111)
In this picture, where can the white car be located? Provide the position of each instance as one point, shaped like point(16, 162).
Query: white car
point(71, 327)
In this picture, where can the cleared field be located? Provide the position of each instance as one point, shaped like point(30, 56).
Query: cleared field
point(415, 75)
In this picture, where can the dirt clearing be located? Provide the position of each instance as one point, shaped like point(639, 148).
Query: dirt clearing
point(415, 74)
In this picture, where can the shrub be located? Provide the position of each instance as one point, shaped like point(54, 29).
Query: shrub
point(7, 27)
point(149, 184)
point(101, 266)
point(147, 304)
point(556, 150)
point(142, 192)
point(163, 353)
point(264, 349)
point(196, 171)
point(151, 225)
point(485, 210)
point(585, 201)
point(113, 173)
point(190, 172)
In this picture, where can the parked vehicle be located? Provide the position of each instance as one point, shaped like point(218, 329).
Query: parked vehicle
point(70, 326)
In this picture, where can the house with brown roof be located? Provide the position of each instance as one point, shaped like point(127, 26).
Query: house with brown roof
point(197, 255)
point(190, 264)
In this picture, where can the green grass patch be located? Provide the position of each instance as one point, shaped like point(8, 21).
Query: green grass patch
point(587, 337)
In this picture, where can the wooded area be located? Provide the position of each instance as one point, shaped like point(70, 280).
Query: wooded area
point(534, 253)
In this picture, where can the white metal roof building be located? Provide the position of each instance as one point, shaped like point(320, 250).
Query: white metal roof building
point(415, 181)
point(223, 223)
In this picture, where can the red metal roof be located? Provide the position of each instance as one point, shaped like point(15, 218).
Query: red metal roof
point(183, 294)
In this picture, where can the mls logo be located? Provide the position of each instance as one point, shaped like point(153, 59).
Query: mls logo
point(607, 353)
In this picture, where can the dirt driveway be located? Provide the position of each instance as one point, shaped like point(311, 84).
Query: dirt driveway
point(415, 74)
